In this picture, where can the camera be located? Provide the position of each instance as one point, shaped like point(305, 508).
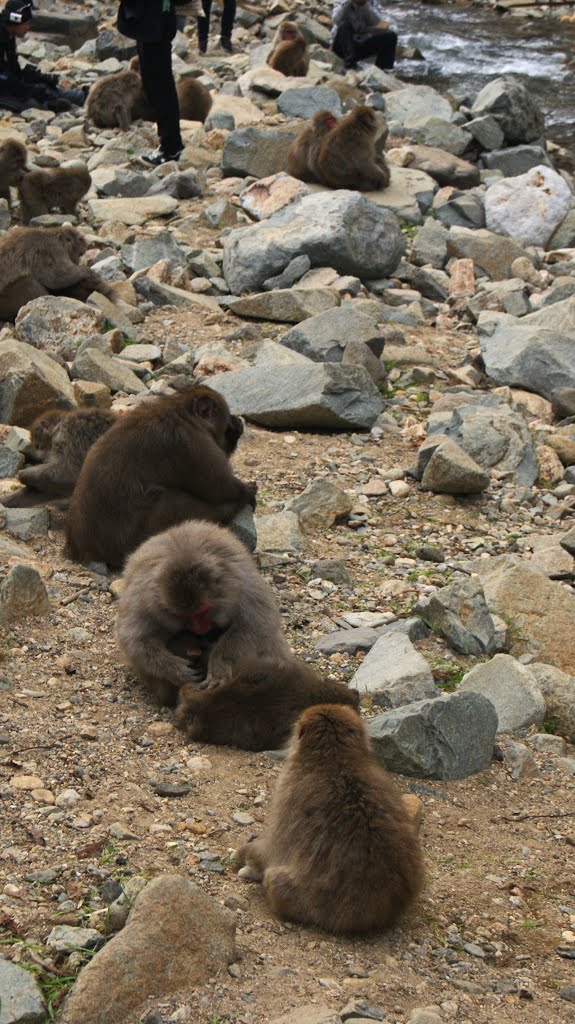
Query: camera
point(17, 13)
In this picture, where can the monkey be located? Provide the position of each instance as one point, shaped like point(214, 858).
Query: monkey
point(63, 187)
point(159, 465)
point(110, 101)
point(43, 261)
point(257, 708)
point(199, 578)
point(194, 99)
point(13, 160)
point(347, 156)
point(338, 849)
point(61, 439)
point(304, 150)
point(289, 51)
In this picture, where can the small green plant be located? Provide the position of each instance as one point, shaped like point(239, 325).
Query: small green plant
point(551, 725)
point(447, 674)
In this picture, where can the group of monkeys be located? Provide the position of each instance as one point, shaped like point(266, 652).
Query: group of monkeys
point(151, 491)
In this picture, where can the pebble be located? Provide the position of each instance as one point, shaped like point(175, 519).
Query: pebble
point(26, 782)
point(241, 818)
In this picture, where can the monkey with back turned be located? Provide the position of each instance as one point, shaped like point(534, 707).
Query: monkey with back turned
point(63, 187)
point(304, 150)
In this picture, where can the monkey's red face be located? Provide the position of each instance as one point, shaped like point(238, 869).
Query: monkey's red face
point(200, 620)
point(289, 33)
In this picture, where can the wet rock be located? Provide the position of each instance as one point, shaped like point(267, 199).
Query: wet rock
point(30, 381)
point(558, 689)
point(280, 532)
point(22, 594)
point(528, 207)
point(176, 937)
point(325, 337)
point(450, 737)
point(287, 305)
point(512, 105)
point(492, 254)
point(21, 1001)
point(450, 470)
point(51, 321)
point(307, 101)
point(394, 673)
point(320, 505)
point(459, 613)
point(256, 151)
point(512, 689)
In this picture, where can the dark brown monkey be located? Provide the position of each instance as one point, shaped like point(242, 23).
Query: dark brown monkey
point(289, 51)
point(199, 578)
point(257, 708)
point(13, 157)
point(194, 99)
point(304, 150)
point(338, 849)
point(159, 465)
point(110, 101)
point(41, 261)
point(62, 438)
point(60, 187)
point(348, 158)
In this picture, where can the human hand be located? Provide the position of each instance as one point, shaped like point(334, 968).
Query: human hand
point(382, 24)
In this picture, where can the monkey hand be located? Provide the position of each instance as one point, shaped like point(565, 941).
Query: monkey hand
point(251, 490)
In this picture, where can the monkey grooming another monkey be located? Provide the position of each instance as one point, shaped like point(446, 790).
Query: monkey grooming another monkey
point(63, 187)
point(110, 101)
point(338, 849)
point(199, 578)
point(159, 465)
point(289, 51)
point(304, 150)
point(256, 709)
point(13, 157)
point(62, 439)
point(348, 157)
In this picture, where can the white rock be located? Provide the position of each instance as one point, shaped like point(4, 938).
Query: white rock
point(529, 207)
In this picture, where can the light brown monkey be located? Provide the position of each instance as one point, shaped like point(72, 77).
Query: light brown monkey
point(196, 577)
point(43, 261)
point(348, 157)
point(289, 51)
point(257, 708)
point(110, 101)
point(13, 158)
point(62, 439)
point(161, 464)
point(195, 101)
point(304, 150)
point(338, 849)
point(63, 187)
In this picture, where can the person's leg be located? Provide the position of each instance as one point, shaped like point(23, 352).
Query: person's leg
point(160, 89)
point(228, 18)
point(344, 45)
point(204, 26)
point(380, 44)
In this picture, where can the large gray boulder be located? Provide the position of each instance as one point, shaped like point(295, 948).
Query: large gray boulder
point(459, 612)
point(512, 688)
point(307, 100)
point(495, 437)
point(256, 151)
point(512, 105)
point(394, 673)
point(305, 396)
point(492, 254)
point(30, 381)
point(339, 229)
point(529, 206)
point(413, 104)
point(324, 338)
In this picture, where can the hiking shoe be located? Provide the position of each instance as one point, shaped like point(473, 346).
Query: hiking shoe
point(159, 156)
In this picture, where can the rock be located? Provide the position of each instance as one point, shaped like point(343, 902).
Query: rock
point(486, 132)
point(357, 353)
point(492, 254)
point(120, 181)
point(141, 353)
point(295, 269)
point(306, 101)
point(269, 353)
point(179, 185)
point(515, 160)
point(320, 505)
point(558, 689)
point(459, 613)
point(348, 641)
point(26, 523)
point(562, 442)
point(21, 1001)
point(394, 673)
point(268, 195)
point(64, 939)
point(450, 737)
point(119, 909)
point(176, 937)
point(302, 396)
point(339, 229)
point(244, 528)
point(512, 105)
point(460, 209)
point(287, 305)
point(545, 742)
point(528, 207)
point(52, 321)
point(10, 462)
point(424, 1016)
point(567, 541)
point(495, 437)
point(412, 104)
point(150, 249)
point(324, 337)
point(442, 135)
point(243, 111)
point(563, 402)
point(309, 1014)
point(430, 244)
point(30, 381)
point(517, 758)
point(409, 194)
point(91, 364)
point(512, 689)
point(22, 593)
point(450, 470)
point(280, 532)
point(442, 166)
point(550, 467)
point(549, 555)
point(256, 151)
point(333, 570)
point(132, 211)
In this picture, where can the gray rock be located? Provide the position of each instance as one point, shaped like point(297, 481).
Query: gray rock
point(450, 470)
point(30, 381)
point(119, 910)
point(460, 209)
point(244, 528)
point(546, 742)
point(64, 938)
point(51, 321)
point(348, 641)
point(486, 132)
point(440, 133)
point(302, 396)
point(564, 237)
point(295, 269)
point(512, 105)
point(323, 338)
point(528, 207)
point(21, 1001)
point(110, 43)
point(256, 151)
point(513, 690)
point(558, 689)
point(269, 353)
point(423, 1016)
point(394, 673)
point(140, 353)
point(306, 101)
point(338, 229)
point(331, 569)
point(443, 167)
point(286, 305)
point(567, 541)
point(518, 760)
point(220, 120)
point(430, 244)
point(180, 185)
point(309, 1014)
point(516, 160)
point(356, 353)
point(412, 104)
point(495, 438)
point(279, 533)
point(320, 505)
point(459, 612)
point(103, 369)
point(126, 183)
point(450, 737)
point(149, 249)
point(26, 523)
point(10, 462)
point(492, 254)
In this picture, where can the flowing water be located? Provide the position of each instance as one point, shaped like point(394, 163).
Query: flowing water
point(465, 47)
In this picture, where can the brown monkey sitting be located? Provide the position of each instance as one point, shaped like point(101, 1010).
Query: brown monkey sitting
point(62, 438)
point(199, 578)
point(110, 101)
point(338, 849)
point(13, 157)
point(159, 465)
point(257, 708)
point(348, 158)
point(194, 99)
point(304, 150)
point(60, 187)
point(41, 261)
point(289, 51)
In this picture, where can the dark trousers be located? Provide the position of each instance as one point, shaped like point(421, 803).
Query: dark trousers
point(160, 89)
point(380, 43)
point(228, 18)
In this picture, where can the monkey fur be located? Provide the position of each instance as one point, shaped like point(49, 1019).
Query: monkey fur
point(62, 187)
point(194, 99)
point(257, 708)
point(347, 156)
point(195, 577)
point(110, 101)
point(289, 51)
point(13, 159)
point(304, 150)
point(338, 848)
point(61, 439)
point(159, 465)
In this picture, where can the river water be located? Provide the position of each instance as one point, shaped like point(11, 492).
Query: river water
point(465, 47)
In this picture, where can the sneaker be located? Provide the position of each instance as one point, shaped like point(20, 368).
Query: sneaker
point(226, 44)
point(159, 157)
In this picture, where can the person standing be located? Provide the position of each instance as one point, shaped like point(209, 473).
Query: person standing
point(152, 23)
point(359, 31)
point(228, 18)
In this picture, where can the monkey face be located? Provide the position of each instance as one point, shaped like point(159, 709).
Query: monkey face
point(324, 122)
point(198, 598)
point(234, 431)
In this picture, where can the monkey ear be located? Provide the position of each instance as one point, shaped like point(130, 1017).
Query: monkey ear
point(207, 408)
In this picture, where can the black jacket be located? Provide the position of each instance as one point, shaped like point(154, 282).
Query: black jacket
point(145, 21)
